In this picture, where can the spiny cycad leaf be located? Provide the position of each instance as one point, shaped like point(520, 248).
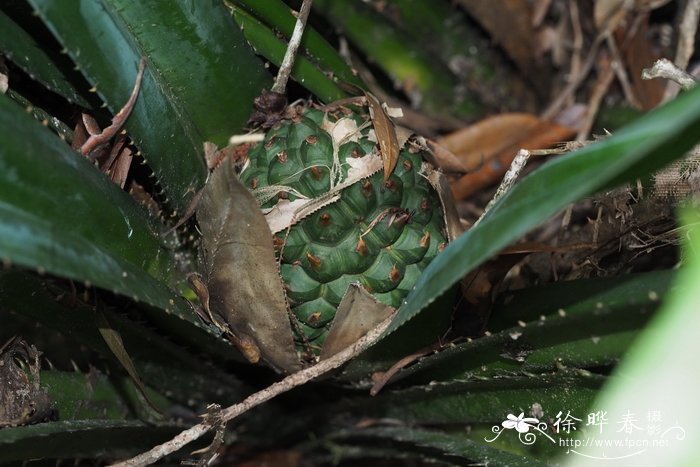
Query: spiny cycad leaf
point(200, 80)
point(81, 438)
point(402, 56)
point(61, 129)
point(433, 445)
point(645, 290)
point(277, 15)
point(61, 215)
point(647, 144)
point(481, 404)
point(594, 332)
point(588, 324)
point(162, 364)
point(79, 396)
point(20, 47)
point(660, 373)
point(267, 44)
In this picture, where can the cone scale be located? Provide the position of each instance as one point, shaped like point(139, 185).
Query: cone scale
point(379, 233)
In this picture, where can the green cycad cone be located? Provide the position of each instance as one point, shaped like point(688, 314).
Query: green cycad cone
point(336, 221)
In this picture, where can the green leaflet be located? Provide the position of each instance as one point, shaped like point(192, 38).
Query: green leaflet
point(115, 343)
point(427, 82)
point(200, 79)
point(588, 323)
point(21, 47)
point(660, 373)
point(97, 234)
point(437, 446)
point(267, 44)
point(481, 403)
point(96, 396)
point(162, 364)
point(81, 438)
point(647, 144)
point(277, 15)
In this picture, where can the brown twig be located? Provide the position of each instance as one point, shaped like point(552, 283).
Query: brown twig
point(280, 387)
point(602, 84)
point(663, 68)
point(508, 180)
point(118, 121)
point(577, 45)
point(290, 55)
point(686, 42)
point(619, 70)
point(556, 106)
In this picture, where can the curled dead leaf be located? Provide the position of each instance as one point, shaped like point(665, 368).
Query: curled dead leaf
point(487, 148)
point(386, 134)
point(453, 224)
point(358, 313)
point(475, 143)
point(241, 272)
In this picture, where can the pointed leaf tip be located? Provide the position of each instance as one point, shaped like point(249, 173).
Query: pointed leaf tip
point(386, 135)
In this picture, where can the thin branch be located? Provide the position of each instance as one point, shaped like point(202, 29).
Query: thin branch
point(664, 68)
point(606, 74)
point(274, 390)
point(577, 45)
point(687, 31)
point(291, 53)
point(509, 179)
point(575, 82)
point(619, 70)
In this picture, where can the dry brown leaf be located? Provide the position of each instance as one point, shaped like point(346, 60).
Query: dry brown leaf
point(357, 313)
point(386, 135)
point(453, 223)
point(444, 158)
point(638, 54)
point(245, 288)
point(119, 169)
point(475, 144)
point(495, 159)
